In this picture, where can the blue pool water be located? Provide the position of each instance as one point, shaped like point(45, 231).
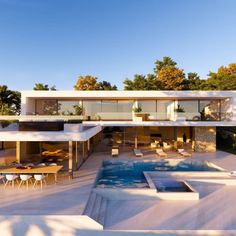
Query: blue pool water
point(129, 174)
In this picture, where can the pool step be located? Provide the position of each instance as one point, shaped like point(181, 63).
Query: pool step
point(90, 204)
point(102, 211)
point(96, 207)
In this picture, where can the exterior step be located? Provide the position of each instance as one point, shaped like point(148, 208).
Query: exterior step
point(102, 211)
point(96, 207)
point(90, 204)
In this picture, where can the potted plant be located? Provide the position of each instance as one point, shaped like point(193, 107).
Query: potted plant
point(179, 113)
point(137, 109)
point(78, 110)
point(137, 116)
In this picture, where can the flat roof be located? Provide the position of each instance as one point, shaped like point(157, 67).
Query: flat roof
point(127, 94)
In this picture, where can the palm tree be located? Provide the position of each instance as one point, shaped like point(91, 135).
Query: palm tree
point(9, 101)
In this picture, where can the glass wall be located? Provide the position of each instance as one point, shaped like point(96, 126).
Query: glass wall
point(92, 108)
point(109, 105)
point(198, 109)
point(124, 109)
point(190, 108)
point(46, 107)
point(147, 105)
point(165, 109)
point(66, 107)
point(125, 106)
point(209, 109)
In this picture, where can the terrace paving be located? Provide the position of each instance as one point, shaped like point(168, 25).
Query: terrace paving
point(216, 210)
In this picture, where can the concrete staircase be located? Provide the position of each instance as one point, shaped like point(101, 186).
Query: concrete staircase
point(96, 207)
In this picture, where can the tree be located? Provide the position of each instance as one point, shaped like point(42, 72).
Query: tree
point(142, 82)
point(86, 82)
point(104, 85)
point(171, 78)
point(166, 62)
point(40, 86)
point(193, 81)
point(169, 75)
point(9, 101)
point(89, 82)
point(223, 79)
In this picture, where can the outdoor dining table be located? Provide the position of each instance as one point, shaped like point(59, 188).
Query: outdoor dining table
point(34, 170)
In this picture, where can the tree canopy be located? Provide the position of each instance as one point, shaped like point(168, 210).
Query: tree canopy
point(142, 82)
point(9, 101)
point(223, 79)
point(167, 76)
point(89, 82)
point(171, 78)
point(164, 63)
point(40, 86)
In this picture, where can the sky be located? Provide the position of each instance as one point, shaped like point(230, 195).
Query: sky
point(55, 41)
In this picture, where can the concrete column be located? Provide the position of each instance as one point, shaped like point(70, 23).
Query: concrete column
point(18, 151)
point(76, 152)
point(205, 139)
point(70, 156)
point(83, 144)
point(88, 144)
point(136, 142)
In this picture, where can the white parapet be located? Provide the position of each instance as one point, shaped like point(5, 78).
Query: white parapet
point(73, 128)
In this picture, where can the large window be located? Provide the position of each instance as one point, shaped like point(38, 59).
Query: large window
point(46, 107)
point(148, 105)
point(190, 108)
point(125, 106)
point(165, 109)
point(67, 107)
point(92, 108)
point(109, 105)
point(209, 109)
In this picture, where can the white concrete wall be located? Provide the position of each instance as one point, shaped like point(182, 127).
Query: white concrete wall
point(57, 136)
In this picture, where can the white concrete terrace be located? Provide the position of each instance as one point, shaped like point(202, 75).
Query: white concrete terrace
point(72, 134)
point(163, 123)
point(67, 199)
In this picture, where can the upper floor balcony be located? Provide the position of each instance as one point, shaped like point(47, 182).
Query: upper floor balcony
point(126, 110)
point(52, 114)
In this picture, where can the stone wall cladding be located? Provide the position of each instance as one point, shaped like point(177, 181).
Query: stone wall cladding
point(205, 139)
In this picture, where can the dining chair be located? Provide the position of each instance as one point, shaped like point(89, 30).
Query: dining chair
point(53, 164)
point(41, 164)
point(11, 178)
point(25, 179)
point(39, 178)
point(30, 164)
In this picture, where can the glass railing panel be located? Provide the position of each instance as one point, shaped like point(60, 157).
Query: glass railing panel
point(113, 116)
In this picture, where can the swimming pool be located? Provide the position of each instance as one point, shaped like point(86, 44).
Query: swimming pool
point(129, 174)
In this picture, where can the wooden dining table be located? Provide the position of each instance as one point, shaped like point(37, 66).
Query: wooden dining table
point(34, 170)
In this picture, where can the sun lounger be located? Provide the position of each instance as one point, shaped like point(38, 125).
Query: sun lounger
point(160, 152)
point(138, 153)
point(166, 146)
point(184, 153)
point(233, 173)
point(114, 152)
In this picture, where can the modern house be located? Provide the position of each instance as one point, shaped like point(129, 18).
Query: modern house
point(65, 126)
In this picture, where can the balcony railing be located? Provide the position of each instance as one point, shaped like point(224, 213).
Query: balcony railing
point(123, 116)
